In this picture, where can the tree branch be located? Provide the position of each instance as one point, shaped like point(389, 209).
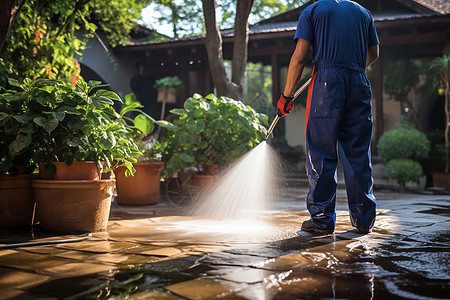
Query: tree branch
point(240, 48)
point(213, 43)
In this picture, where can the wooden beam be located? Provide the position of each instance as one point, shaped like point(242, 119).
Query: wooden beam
point(378, 91)
point(276, 90)
point(413, 38)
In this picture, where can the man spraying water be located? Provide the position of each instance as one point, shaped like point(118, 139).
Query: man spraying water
point(338, 114)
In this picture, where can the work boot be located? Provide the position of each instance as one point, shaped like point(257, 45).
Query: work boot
point(363, 231)
point(309, 226)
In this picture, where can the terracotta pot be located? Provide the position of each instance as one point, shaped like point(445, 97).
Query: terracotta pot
point(441, 179)
point(79, 170)
point(204, 181)
point(142, 188)
point(16, 201)
point(73, 205)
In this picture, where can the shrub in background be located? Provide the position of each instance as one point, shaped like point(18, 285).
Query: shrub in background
point(403, 148)
point(403, 141)
point(404, 170)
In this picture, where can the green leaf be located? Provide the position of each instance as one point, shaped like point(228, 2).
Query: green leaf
point(178, 111)
point(101, 102)
point(68, 110)
point(93, 83)
point(59, 115)
point(185, 138)
point(78, 142)
point(22, 141)
point(108, 94)
point(41, 100)
point(187, 158)
point(77, 123)
point(167, 125)
point(49, 123)
point(14, 82)
point(23, 119)
point(144, 124)
point(210, 96)
point(48, 89)
point(107, 140)
point(219, 124)
point(3, 116)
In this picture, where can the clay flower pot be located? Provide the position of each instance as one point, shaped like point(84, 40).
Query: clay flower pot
point(79, 170)
point(73, 205)
point(16, 201)
point(142, 188)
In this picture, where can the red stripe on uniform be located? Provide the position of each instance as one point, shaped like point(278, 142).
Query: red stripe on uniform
point(308, 99)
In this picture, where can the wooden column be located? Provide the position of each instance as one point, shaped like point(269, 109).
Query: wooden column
point(276, 90)
point(378, 92)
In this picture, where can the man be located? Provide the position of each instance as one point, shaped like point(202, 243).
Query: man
point(338, 113)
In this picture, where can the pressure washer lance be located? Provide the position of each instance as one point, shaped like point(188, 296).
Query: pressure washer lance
point(296, 94)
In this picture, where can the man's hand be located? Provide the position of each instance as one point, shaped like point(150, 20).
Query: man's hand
point(284, 105)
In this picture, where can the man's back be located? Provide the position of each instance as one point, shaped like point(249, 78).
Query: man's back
point(339, 31)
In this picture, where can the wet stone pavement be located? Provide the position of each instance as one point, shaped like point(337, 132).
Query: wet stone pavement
point(158, 252)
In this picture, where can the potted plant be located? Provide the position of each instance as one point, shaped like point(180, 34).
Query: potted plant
point(66, 126)
point(167, 88)
point(16, 165)
point(209, 133)
point(142, 188)
point(442, 66)
point(402, 149)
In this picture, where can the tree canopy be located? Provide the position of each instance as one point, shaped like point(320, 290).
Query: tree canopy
point(186, 19)
point(41, 38)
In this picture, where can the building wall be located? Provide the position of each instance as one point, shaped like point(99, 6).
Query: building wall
point(113, 71)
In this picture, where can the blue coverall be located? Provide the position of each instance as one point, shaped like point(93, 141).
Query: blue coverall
point(339, 110)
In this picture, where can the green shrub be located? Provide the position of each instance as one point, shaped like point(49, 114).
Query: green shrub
point(404, 170)
point(211, 132)
point(404, 142)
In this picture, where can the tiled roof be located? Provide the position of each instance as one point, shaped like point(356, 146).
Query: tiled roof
point(441, 6)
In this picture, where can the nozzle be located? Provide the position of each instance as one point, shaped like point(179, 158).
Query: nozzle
point(272, 126)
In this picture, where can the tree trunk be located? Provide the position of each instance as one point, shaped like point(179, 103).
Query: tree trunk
point(225, 87)
point(7, 12)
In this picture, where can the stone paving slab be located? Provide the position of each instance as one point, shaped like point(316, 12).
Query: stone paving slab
point(158, 252)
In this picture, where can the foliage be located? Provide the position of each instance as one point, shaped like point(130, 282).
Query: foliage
point(42, 41)
point(403, 141)
point(211, 132)
point(141, 126)
point(168, 82)
point(58, 122)
point(404, 170)
point(185, 19)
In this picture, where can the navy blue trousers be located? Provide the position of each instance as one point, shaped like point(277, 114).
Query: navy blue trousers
point(339, 118)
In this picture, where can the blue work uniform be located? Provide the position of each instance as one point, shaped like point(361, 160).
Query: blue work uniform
point(339, 109)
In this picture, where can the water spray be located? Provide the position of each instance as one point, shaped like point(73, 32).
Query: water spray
point(296, 94)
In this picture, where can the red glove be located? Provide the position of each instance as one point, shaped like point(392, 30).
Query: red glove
point(284, 105)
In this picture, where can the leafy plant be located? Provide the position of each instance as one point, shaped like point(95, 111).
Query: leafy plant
point(42, 40)
point(404, 170)
point(403, 141)
point(211, 132)
point(59, 122)
point(174, 83)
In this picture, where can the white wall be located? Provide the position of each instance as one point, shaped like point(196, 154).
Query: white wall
point(115, 72)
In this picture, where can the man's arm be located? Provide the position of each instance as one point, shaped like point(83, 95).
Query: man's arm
point(296, 66)
point(372, 54)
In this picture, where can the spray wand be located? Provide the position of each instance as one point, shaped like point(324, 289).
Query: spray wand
point(296, 94)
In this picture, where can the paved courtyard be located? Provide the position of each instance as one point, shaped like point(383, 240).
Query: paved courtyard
point(159, 252)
